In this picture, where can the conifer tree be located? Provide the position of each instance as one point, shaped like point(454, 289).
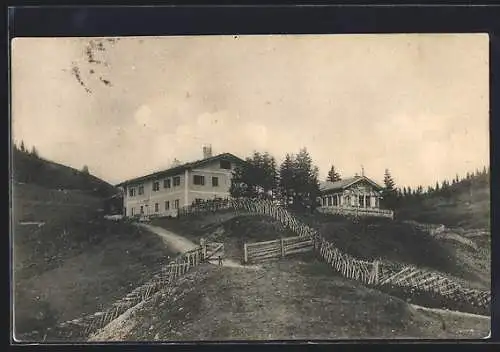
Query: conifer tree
point(333, 175)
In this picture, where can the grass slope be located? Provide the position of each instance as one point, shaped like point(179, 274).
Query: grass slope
point(233, 230)
point(48, 174)
point(464, 204)
point(289, 299)
point(369, 239)
point(75, 262)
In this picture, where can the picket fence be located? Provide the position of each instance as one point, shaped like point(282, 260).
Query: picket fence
point(378, 273)
point(259, 251)
point(85, 326)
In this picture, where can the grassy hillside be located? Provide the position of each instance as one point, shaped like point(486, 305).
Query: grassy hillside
point(289, 299)
point(463, 204)
point(31, 169)
point(67, 259)
point(233, 230)
point(367, 239)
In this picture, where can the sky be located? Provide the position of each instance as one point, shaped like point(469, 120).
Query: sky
point(415, 104)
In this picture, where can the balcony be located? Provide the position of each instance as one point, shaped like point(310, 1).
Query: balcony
point(356, 211)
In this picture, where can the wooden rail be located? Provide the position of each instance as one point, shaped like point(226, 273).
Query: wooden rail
point(258, 251)
point(357, 211)
point(382, 274)
point(87, 325)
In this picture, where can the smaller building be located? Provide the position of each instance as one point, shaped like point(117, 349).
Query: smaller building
point(356, 195)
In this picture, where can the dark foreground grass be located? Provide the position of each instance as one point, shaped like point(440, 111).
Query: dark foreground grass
point(77, 262)
point(288, 299)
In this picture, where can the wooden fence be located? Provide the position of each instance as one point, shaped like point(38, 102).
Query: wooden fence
point(259, 251)
point(382, 274)
point(84, 327)
point(356, 211)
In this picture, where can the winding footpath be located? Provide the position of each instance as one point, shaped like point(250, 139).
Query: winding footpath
point(181, 244)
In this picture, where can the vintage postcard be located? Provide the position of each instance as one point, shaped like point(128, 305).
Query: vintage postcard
point(270, 187)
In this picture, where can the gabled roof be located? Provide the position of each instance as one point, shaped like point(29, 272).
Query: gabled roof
point(178, 169)
point(346, 183)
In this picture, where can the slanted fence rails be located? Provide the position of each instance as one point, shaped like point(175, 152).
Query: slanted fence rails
point(254, 252)
point(373, 273)
point(88, 325)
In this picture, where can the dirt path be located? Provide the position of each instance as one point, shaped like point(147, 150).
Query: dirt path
point(181, 244)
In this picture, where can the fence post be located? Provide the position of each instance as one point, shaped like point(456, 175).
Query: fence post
point(282, 247)
point(245, 253)
point(374, 279)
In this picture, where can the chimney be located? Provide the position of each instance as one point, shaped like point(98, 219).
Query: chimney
point(207, 151)
point(362, 171)
point(175, 162)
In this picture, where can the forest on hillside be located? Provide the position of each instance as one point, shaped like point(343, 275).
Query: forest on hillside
point(29, 167)
point(296, 179)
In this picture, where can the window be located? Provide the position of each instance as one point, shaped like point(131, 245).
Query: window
point(176, 204)
point(367, 201)
point(167, 205)
point(329, 201)
point(198, 201)
point(215, 182)
point(132, 211)
point(166, 183)
point(131, 192)
point(156, 207)
point(361, 201)
point(335, 201)
point(177, 181)
point(124, 211)
point(156, 186)
point(199, 180)
point(141, 190)
point(224, 164)
point(142, 209)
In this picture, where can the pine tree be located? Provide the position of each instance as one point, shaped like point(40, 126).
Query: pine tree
point(388, 193)
point(419, 191)
point(286, 176)
point(405, 192)
point(256, 178)
point(388, 181)
point(306, 179)
point(436, 189)
point(333, 175)
point(34, 152)
point(22, 147)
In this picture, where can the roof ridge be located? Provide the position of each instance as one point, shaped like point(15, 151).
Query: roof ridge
point(180, 167)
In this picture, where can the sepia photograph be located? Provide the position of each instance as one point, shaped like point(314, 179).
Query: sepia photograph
point(250, 187)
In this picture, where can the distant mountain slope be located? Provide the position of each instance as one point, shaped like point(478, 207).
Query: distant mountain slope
point(28, 168)
point(463, 204)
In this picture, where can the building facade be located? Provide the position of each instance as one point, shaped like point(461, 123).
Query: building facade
point(357, 195)
point(164, 192)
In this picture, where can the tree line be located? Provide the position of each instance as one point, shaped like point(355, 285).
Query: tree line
point(395, 197)
point(295, 182)
point(33, 152)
